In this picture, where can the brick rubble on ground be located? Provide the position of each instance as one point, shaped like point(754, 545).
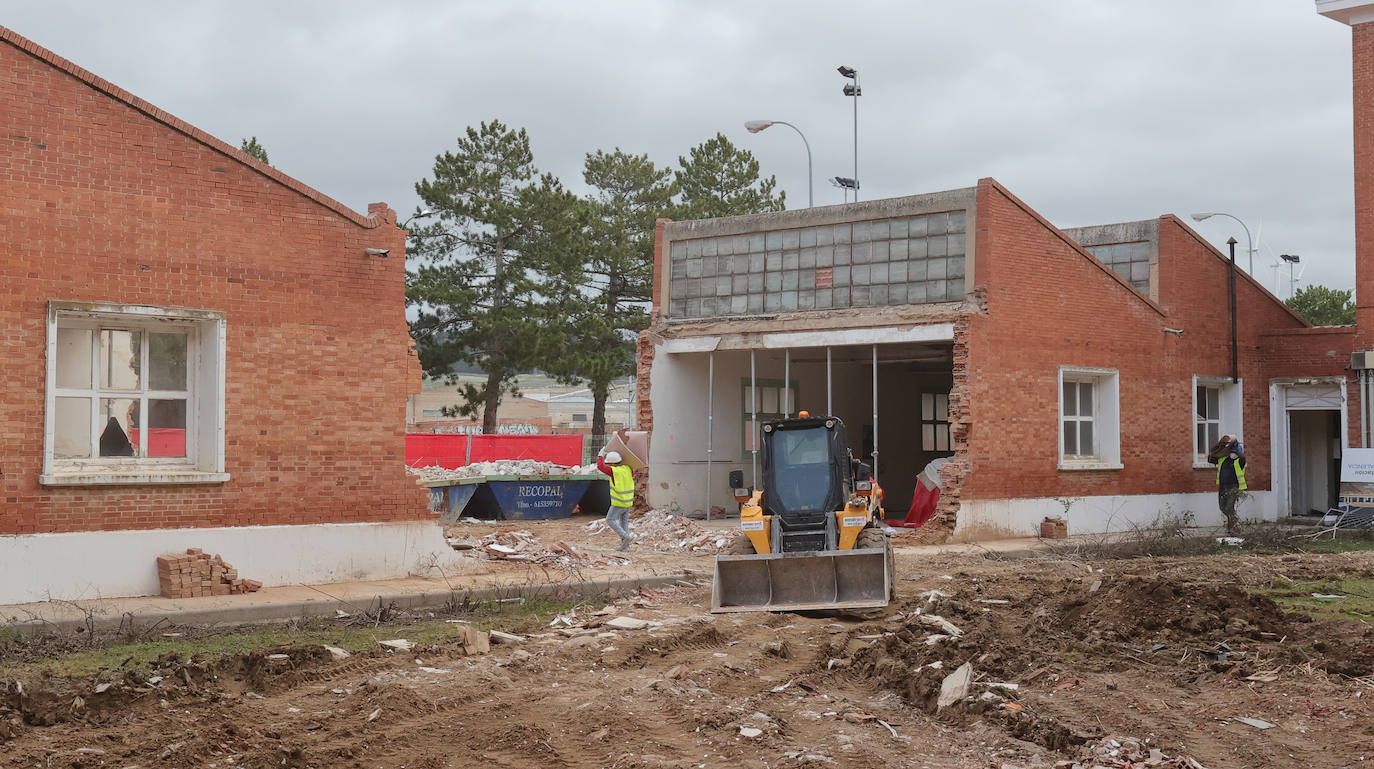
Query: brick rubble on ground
point(518, 467)
point(1126, 753)
point(668, 533)
point(523, 546)
point(196, 573)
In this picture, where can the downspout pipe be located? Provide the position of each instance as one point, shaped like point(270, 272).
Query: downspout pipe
point(1235, 343)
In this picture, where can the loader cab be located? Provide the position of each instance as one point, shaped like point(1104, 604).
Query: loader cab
point(806, 472)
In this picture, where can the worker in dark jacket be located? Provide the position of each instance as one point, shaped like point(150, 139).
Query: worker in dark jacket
point(1229, 457)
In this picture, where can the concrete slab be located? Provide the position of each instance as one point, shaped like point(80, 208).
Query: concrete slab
point(288, 602)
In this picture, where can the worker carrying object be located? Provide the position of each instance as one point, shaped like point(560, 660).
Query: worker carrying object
point(1229, 457)
point(622, 494)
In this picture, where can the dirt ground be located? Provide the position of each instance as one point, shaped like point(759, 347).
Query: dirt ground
point(1169, 652)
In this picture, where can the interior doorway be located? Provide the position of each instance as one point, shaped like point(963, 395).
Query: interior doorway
point(1314, 439)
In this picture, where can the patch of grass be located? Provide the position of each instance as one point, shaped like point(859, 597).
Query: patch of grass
point(114, 659)
point(1356, 603)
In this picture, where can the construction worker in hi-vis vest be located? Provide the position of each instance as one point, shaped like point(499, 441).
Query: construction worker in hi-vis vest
point(1229, 457)
point(622, 495)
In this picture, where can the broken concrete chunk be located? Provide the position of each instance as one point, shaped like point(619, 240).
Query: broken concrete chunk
point(627, 623)
point(337, 653)
point(750, 732)
point(398, 644)
point(939, 623)
point(500, 637)
point(1255, 722)
point(955, 686)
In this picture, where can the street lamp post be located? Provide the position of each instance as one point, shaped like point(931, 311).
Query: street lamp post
point(754, 126)
point(1292, 259)
point(425, 214)
point(853, 89)
point(1250, 243)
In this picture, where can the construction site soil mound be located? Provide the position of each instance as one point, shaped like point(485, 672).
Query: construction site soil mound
point(1034, 664)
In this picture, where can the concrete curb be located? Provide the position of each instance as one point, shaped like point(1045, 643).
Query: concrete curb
point(325, 607)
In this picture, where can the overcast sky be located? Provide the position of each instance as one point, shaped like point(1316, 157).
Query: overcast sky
point(1091, 112)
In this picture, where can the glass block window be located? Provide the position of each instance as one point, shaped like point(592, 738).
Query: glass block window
point(1129, 260)
point(904, 260)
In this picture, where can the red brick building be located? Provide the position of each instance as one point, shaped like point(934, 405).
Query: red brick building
point(198, 350)
point(1084, 370)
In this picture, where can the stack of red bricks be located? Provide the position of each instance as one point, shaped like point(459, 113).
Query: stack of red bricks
point(196, 573)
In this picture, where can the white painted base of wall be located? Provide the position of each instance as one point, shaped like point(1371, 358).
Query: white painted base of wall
point(110, 564)
point(990, 519)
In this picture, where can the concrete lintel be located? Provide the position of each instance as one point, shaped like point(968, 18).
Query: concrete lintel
point(691, 344)
point(1350, 12)
point(935, 332)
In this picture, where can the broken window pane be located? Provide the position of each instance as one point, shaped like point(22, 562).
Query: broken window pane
point(72, 427)
point(1201, 399)
point(119, 359)
point(167, 362)
point(166, 428)
point(118, 420)
point(74, 358)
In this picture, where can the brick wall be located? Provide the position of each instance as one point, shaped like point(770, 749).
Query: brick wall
point(1051, 304)
point(107, 199)
point(1362, 49)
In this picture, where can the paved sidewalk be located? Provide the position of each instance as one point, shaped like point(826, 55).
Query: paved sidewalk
point(288, 602)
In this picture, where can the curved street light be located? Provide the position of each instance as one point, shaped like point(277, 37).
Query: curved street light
point(754, 126)
point(1249, 242)
point(425, 214)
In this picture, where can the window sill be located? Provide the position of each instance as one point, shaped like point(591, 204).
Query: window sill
point(147, 477)
point(1203, 465)
point(1089, 466)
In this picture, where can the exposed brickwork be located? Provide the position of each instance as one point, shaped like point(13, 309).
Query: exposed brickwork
point(1362, 62)
point(1052, 304)
point(108, 199)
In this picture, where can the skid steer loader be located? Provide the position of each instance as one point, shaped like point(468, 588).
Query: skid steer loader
point(812, 537)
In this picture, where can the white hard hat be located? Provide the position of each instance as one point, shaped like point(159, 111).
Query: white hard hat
point(613, 457)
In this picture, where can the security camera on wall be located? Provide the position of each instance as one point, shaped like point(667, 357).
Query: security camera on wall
point(382, 252)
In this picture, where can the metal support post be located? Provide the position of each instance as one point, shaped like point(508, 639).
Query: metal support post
point(710, 423)
point(875, 414)
point(754, 417)
point(787, 384)
point(829, 409)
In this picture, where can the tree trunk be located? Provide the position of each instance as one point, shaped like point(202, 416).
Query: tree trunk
point(599, 408)
point(491, 402)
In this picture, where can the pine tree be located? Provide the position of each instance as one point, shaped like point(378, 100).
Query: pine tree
point(252, 147)
point(505, 240)
point(629, 193)
point(719, 179)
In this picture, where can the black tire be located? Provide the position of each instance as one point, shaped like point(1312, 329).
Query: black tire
point(873, 537)
point(741, 544)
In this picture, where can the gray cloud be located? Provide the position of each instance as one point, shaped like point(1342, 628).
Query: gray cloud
point(1091, 112)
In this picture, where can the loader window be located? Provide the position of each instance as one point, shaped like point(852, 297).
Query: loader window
point(801, 469)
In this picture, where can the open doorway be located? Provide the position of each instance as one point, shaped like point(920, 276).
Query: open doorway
point(1314, 460)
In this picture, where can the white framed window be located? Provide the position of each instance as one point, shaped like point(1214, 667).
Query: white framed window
point(935, 422)
point(135, 394)
point(1089, 419)
point(1216, 412)
point(774, 402)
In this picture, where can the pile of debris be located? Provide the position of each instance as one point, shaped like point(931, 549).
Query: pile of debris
point(517, 467)
point(522, 546)
point(196, 573)
point(668, 533)
point(1126, 753)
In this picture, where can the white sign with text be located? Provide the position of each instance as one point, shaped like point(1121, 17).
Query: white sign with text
point(1357, 466)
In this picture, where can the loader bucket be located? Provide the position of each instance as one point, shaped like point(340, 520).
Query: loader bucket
point(829, 579)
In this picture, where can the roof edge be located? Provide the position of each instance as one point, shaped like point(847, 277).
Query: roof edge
point(104, 86)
